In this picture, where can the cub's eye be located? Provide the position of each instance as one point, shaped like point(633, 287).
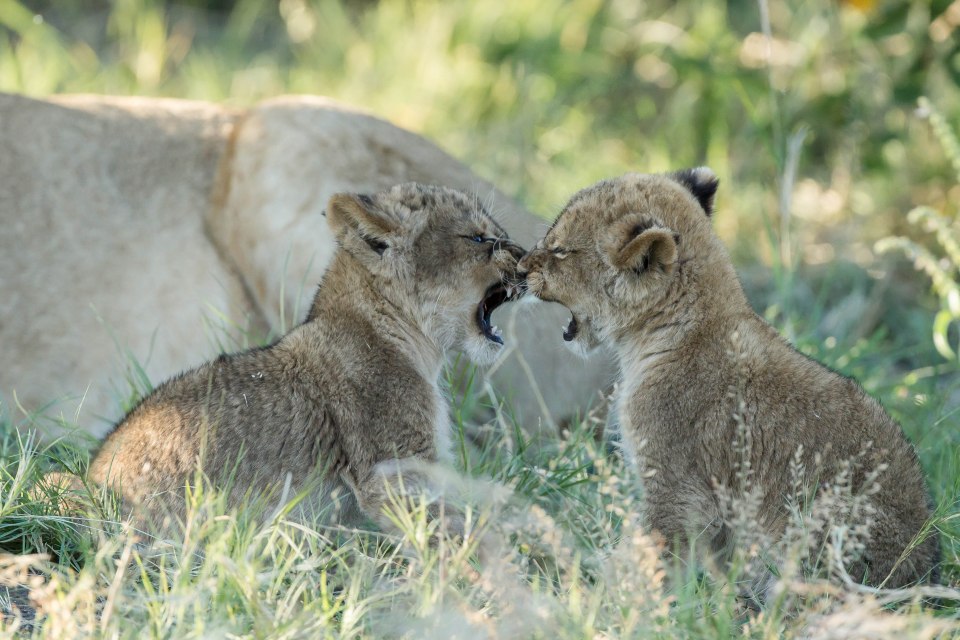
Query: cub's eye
point(479, 239)
point(560, 252)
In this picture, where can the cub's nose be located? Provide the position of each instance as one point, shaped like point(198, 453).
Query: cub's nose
point(520, 274)
point(506, 254)
point(512, 249)
point(515, 250)
point(525, 264)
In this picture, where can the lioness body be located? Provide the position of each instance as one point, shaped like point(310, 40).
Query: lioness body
point(637, 263)
point(352, 389)
point(163, 232)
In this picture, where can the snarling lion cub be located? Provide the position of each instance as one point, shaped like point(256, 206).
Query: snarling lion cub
point(636, 262)
point(354, 389)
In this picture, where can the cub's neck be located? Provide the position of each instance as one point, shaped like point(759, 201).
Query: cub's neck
point(704, 304)
point(351, 304)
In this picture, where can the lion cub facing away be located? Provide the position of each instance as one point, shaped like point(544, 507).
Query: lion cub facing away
point(351, 393)
point(637, 263)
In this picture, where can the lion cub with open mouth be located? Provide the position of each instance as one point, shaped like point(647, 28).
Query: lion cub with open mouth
point(637, 263)
point(351, 393)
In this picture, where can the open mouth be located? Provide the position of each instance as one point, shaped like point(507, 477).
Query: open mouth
point(495, 296)
point(571, 330)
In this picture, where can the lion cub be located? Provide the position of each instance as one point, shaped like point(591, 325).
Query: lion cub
point(352, 393)
point(636, 262)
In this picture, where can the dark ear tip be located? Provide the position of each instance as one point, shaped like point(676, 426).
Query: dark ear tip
point(702, 183)
point(357, 198)
point(364, 199)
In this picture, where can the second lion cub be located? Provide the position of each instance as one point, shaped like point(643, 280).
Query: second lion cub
point(637, 263)
point(353, 391)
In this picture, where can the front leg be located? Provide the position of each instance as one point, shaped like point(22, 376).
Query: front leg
point(682, 515)
point(402, 479)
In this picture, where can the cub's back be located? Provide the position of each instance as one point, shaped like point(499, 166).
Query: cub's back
point(203, 415)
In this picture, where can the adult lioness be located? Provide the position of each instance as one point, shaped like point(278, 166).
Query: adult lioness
point(636, 262)
point(164, 231)
point(353, 391)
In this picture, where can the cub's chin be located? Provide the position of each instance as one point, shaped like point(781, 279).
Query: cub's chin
point(484, 340)
point(580, 336)
point(481, 350)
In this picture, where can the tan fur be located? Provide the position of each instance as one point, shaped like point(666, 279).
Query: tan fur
point(146, 227)
point(351, 395)
point(637, 263)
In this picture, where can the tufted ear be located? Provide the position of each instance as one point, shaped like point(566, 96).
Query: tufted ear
point(348, 212)
point(702, 182)
point(639, 246)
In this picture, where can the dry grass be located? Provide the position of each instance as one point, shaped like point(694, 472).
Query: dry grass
point(555, 548)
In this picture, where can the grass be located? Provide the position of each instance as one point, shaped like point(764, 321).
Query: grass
point(540, 97)
point(565, 557)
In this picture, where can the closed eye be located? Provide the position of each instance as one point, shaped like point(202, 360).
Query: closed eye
point(479, 239)
point(561, 252)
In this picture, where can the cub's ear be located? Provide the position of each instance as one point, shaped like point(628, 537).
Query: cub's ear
point(639, 246)
point(702, 182)
point(360, 214)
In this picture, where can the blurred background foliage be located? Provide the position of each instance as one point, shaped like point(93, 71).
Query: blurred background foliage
point(807, 109)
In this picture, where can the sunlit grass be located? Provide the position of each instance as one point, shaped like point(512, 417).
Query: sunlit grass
point(555, 550)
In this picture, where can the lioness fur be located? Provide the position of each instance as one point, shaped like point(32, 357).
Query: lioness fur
point(352, 393)
point(636, 262)
point(143, 236)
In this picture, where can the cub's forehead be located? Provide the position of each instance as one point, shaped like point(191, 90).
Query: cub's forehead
point(596, 204)
point(441, 205)
point(607, 201)
point(429, 198)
